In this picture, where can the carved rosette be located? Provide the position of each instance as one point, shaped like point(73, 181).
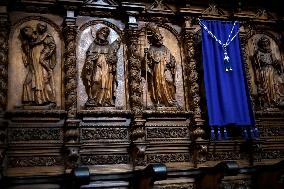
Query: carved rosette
point(70, 32)
point(4, 36)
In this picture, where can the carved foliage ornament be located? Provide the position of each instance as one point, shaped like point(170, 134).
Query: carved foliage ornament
point(70, 33)
point(4, 32)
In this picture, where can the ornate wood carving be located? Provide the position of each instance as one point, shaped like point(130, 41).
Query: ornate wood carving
point(168, 158)
point(4, 36)
point(91, 134)
point(104, 159)
point(34, 134)
point(137, 130)
point(166, 133)
point(70, 33)
point(39, 86)
point(34, 161)
point(193, 91)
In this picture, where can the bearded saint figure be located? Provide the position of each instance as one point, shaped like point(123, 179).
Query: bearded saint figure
point(268, 75)
point(160, 67)
point(99, 71)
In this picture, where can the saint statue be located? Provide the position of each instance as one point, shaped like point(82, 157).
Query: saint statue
point(268, 75)
point(160, 68)
point(99, 70)
point(39, 57)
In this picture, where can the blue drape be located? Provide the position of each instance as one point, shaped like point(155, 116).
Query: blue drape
point(226, 92)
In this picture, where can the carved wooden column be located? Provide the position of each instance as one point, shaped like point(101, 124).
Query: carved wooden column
point(137, 130)
point(4, 36)
point(72, 124)
point(193, 91)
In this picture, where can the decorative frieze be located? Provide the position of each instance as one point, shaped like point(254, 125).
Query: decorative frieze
point(168, 133)
point(34, 161)
point(168, 158)
point(226, 155)
point(104, 134)
point(104, 159)
point(32, 134)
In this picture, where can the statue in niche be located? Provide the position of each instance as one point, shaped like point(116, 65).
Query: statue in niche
point(268, 75)
point(160, 66)
point(39, 57)
point(99, 70)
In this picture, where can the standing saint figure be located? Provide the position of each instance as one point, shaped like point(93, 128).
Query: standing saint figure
point(160, 67)
point(39, 57)
point(268, 75)
point(99, 71)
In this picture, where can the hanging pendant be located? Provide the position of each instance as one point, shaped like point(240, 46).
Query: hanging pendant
point(227, 63)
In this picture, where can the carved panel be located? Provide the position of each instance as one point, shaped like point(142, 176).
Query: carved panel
point(220, 156)
point(160, 47)
point(34, 65)
point(17, 135)
point(104, 159)
point(104, 134)
point(167, 133)
point(34, 161)
point(168, 158)
point(272, 154)
point(239, 184)
point(266, 70)
point(70, 32)
point(101, 63)
point(4, 33)
point(177, 186)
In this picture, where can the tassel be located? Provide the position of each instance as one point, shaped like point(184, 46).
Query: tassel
point(245, 134)
point(256, 133)
point(252, 133)
point(212, 137)
point(219, 134)
point(225, 134)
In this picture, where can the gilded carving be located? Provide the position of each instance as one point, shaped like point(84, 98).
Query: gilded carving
point(160, 70)
point(99, 71)
point(268, 74)
point(39, 58)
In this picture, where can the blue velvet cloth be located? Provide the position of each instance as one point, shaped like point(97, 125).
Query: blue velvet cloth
point(226, 92)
